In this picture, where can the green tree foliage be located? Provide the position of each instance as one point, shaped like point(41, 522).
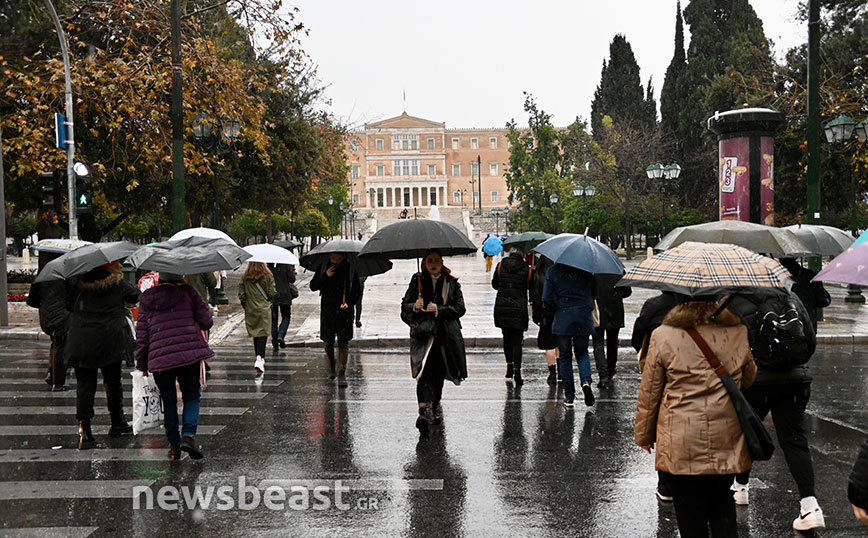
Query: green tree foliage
point(620, 94)
point(672, 94)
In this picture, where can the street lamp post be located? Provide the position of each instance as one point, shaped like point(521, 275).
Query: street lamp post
point(479, 180)
point(663, 173)
point(584, 191)
point(230, 129)
point(331, 213)
point(463, 195)
point(841, 130)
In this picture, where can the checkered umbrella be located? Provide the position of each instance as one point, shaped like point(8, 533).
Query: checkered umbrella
point(707, 269)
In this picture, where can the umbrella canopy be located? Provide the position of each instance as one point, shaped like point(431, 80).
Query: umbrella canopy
point(208, 233)
point(408, 239)
point(525, 241)
point(83, 259)
point(850, 267)
point(756, 237)
point(581, 252)
point(822, 240)
point(862, 238)
point(287, 243)
point(270, 254)
point(492, 246)
point(707, 269)
point(59, 246)
point(363, 267)
point(190, 256)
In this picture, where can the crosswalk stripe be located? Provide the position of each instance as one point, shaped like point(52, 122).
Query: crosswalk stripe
point(71, 429)
point(48, 532)
point(35, 381)
point(214, 368)
point(41, 455)
point(70, 410)
point(206, 395)
point(72, 489)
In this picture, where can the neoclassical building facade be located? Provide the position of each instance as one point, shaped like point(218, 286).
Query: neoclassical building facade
point(407, 162)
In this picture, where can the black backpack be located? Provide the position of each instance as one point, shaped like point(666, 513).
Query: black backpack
point(778, 336)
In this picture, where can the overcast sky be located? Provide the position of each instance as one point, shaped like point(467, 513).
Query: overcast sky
point(468, 62)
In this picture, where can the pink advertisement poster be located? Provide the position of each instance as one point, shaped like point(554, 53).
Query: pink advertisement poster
point(734, 186)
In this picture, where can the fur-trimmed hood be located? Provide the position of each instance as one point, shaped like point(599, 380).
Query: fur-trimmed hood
point(101, 282)
point(696, 313)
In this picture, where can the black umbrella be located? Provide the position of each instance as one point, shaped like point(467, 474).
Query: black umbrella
point(84, 259)
point(287, 244)
point(189, 256)
point(408, 239)
point(318, 257)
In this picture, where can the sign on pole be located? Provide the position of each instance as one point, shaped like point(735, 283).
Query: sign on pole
point(60, 130)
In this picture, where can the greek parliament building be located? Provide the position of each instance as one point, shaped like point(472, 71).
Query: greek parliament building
point(407, 162)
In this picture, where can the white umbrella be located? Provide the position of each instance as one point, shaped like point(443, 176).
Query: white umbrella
point(270, 254)
point(210, 233)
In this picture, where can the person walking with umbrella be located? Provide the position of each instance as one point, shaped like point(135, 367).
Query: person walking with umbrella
point(255, 293)
point(511, 279)
point(611, 305)
point(97, 340)
point(284, 278)
point(339, 290)
point(542, 316)
point(432, 307)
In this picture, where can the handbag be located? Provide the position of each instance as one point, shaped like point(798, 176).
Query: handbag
point(422, 328)
point(293, 290)
point(757, 437)
point(595, 315)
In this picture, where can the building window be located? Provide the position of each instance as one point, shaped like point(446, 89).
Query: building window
point(354, 171)
point(414, 168)
point(493, 196)
point(492, 142)
point(456, 197)
point(430, 143)
point(354, 144)
point(475, 197)
point(405, 142)
point(381, 170)
point(406, 167)
point(356, 199)
point(474, 143)
point(432, 170)
point(454, 143)
point(379, 198)
point(474, 169)
point(379, 144)
point(492, 169)
point(456, 170)
point(396, 142)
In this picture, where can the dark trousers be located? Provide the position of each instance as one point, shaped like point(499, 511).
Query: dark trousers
point(703, 501)
point(358, 306)
point(787, 403)
point(188, 382)
point(605, 351)
point(278, 332)
point(56, 362)
point(429, 388)
point(512, 339)
point(259, 345)
point(85, 390)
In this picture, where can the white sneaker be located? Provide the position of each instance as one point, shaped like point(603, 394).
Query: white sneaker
point(740, 494)
point(810, 521)
point(259, 365)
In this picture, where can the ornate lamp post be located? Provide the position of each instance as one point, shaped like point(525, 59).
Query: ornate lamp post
point(663, 173)
point(584, 191)
point(230, 129)
point(839, 133)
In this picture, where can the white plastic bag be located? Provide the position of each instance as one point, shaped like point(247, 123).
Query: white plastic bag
point(147, 403)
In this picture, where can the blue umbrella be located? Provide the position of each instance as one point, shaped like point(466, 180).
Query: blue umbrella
point(492, 246)
point(581, 252)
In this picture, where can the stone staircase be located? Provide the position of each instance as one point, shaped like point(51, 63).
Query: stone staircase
point(384, 216)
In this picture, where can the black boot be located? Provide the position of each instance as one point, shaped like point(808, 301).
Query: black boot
point(188, 445)
point(518, 379)
point(343, 357)
point(436, 413)
point(509, 370)
point(423, 420)
point(552, 379)
point(330, 355)
point(119, 425)
point(85, 436)
point(174, 452)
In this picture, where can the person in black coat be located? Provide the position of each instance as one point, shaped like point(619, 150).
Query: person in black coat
point(50, 298)
point(857, 486)
point(338, 294)
point(281, 303)
point(511, 279)
point(543, 317)
point(97, 340)
point(432, 307)
point(610, 302)
point(812, 294)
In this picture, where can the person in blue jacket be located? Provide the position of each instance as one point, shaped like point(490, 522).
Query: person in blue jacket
point(570, 293)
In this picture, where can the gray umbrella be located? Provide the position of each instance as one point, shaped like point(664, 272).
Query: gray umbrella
point(823, 240)
point(84, 259)
point(755, 237)
point(190, 256)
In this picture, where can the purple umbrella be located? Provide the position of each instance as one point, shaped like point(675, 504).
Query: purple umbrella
point(849, 267)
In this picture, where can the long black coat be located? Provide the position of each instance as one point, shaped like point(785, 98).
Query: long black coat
point(98, 331)
point(447, 325)
point(50, 298)
point(335, 321)
point(857, 487)
point(610, 301)
point(284, 275)
point(511, 279)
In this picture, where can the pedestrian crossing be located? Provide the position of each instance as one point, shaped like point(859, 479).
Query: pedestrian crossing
point(39, 437)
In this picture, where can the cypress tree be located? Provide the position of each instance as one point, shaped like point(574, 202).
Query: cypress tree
point(672, 94)
point(620, 94)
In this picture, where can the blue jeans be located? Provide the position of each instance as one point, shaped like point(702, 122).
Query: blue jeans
point(188, 381)
point(285, 312)
point(566, 346)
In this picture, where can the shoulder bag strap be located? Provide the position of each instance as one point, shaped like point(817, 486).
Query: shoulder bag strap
point(719, 369)
point(262, 291)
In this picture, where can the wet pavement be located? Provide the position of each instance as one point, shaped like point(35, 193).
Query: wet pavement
point(506, 461)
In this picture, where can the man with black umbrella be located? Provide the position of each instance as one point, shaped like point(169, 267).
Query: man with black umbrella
point(339, 291)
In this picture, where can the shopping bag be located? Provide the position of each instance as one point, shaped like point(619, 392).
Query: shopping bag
point(147, 403)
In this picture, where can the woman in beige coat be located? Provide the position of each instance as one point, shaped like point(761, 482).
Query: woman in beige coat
point(685, 410)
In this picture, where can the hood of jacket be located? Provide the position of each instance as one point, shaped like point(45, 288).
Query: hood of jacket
point(93, 280)
point(163, 297)
point(696, 313)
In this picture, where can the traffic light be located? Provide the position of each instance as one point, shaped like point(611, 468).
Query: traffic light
point(83, 189)
point(52, 190)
